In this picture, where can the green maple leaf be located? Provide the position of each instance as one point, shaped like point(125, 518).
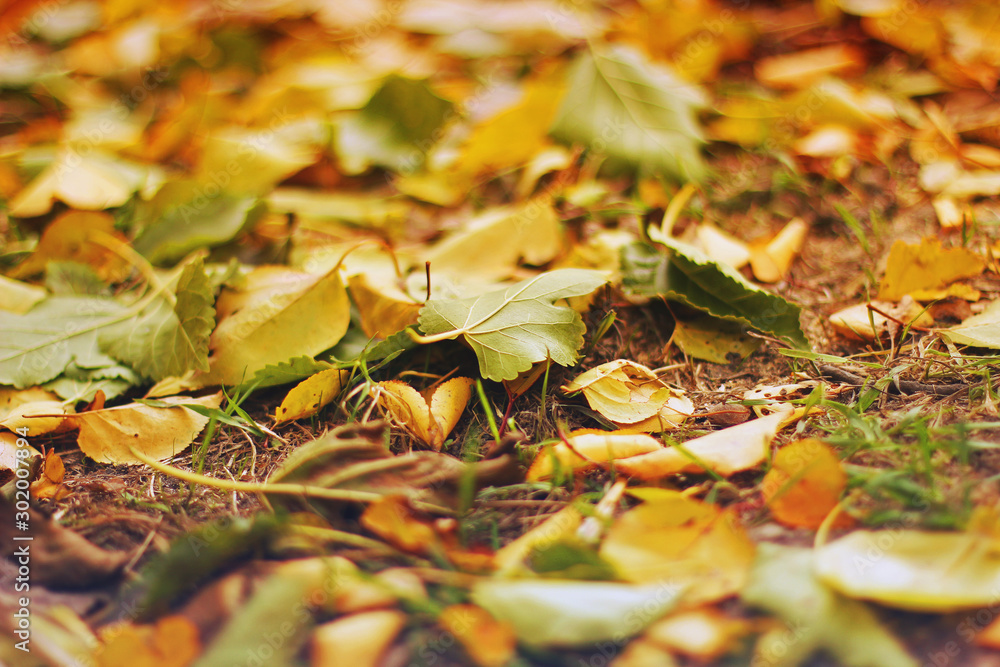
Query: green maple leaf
point(513, 328)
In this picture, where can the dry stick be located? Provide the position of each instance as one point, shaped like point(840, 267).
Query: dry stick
point(904, 386)
point(283, 489)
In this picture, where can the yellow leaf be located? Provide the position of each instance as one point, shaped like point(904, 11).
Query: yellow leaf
point(694, 546)
point(171, 642)
point(17, 406)
point(804, 484)
point(488, 642)
point(384, 309)
point(359, 640)
point(74, 237)
point(490, 245)
point(308, 396)
point(726, 452)
point(926, 266)
point(770, 262)
point(106, 435)
point(911, 569)
point(428, 422)
point(91, 183)
point(18, 297)
point(630, 394)
point(555, 528)
point(704, 634)
point(278, 315)
point(589, 449)
point(50, 483)
point(802, 68)
point(513, 136)
point(391, 519)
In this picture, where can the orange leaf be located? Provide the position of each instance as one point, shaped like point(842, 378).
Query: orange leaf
point(488, 642)
point(804, 483)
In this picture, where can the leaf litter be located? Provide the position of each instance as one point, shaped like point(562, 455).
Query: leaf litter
point(539, 166)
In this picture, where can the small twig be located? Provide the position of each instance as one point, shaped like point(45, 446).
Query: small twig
point(903, 386)
point(427, 271)
point(913, 327)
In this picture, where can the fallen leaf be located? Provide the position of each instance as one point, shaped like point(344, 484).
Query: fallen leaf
point(562, 525)
point(59, 332)
point(262, 324)
point(17, 408)
point(911, 569)
point(725, 452)
point(551, 612)
point(18, 297)
point(654, 132)
point(106, 435)
point(683, 273)
point(704, 634)
point(490, 245)
point(719, 246)
point(384, 309)
point(513, 328)
point(488, 642)
point(90, 182)
point(392, 519)
point(358, 640)
point(310, 395)
point(696, 549)
point(771, 261)
point(171, 642)
point(713, 339)
point(394, 129)
point(76, 236)
point(50, 482)
point(982, 330)
point(818, 618)
point(804, 484)
point(589, 449)
point(803, 68)
point(514, 136)
point(632, 396)
point(429, 416)
point(924, 270)
point(170, 336)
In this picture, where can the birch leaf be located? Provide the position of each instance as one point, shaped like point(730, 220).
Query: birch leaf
point(512, 328)
point(648, 111)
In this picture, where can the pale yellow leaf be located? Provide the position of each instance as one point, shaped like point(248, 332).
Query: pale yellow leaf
point(692, 546)
point(771, 261)
point(725, 452)
point(76, 236)
point(628, 393)
point(704, 634)
point(359, 640)
point(922, 571)
point(804, 484)
point(279, 315)
point(558, 527)
point(308, 396)
point(926, 266)
point(589, 449)
point(18, 297)
point(384, 308)
point(159, 433)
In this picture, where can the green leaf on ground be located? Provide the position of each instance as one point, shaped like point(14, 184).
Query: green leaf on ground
point(713, 339)
point(166, 340)
point(511, 329)
point(685, 274)
point(185, 218)
point(82, 384)
point(637, 112)
point(782, 581)
point(394, 129)
point(39, 345)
